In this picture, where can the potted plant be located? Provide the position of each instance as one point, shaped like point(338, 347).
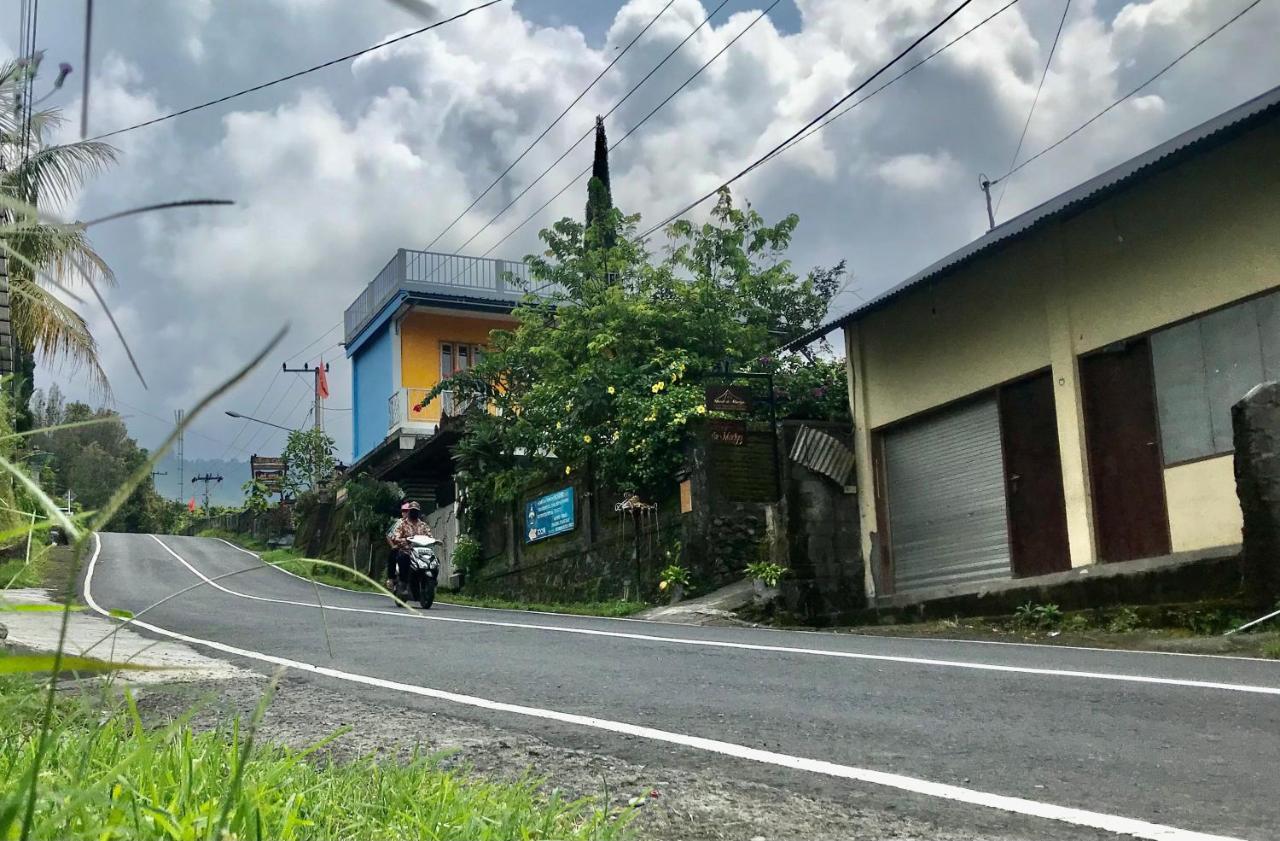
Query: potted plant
point(765, 576)
point(673, 580)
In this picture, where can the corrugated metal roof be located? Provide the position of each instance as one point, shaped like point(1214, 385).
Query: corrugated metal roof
point(1201, 138)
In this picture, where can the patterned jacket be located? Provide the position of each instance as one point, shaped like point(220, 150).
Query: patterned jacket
point(405, 529)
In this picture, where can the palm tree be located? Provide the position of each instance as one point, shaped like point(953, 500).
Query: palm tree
point(44, 255)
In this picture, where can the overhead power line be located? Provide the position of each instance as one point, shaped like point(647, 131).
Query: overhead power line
point(637, 126)
point(292, 76)
point(1036, 99)
point(553, 124)
point(591, 130)
point(1128, 95)
point(762, 159)
point(910, 68)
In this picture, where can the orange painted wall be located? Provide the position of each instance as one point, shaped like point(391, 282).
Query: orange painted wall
point(420, 336)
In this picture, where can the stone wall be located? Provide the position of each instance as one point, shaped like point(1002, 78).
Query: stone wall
point(608, 555)
point(1256, 429)
point(822, 538)
point(736, 518)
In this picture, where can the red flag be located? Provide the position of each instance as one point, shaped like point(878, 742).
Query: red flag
point(322, 382)
point(191, 506)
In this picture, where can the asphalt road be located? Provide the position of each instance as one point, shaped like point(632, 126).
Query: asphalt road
point(1020, 741)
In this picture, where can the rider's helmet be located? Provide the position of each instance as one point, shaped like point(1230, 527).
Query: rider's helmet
point(410, 506)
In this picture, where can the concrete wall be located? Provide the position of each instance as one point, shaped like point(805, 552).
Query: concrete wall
point(421, 332)
point(1206, 488)
point(1187, 240)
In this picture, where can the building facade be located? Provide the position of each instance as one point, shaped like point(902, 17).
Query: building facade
point(1057, 393)
point(424, 317)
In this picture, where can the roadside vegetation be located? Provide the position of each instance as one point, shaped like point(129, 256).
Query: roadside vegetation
point(1197, 628)
point(106, 774)
point(614, 609)
point(291, 560)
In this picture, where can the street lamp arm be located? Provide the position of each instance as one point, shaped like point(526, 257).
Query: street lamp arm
point(259, 420)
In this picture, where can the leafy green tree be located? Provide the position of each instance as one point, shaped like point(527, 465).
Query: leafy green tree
point(257, 498)
point(309, 457)
point(371, 507)
point(92, 461)
point(610, 372)
point(808, 388)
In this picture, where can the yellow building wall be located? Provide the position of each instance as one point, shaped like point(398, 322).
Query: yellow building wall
point(421, 333)
point(945, 342)
point(1203, 507)
point(1186, 241)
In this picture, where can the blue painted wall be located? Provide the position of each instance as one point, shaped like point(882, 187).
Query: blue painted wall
point(371, 368)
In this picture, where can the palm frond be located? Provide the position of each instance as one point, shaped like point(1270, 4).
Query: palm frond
point(55, 332)
point(56, 173)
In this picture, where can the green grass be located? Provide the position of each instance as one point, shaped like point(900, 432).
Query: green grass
point(1272, 650)
point(106, 775)
point(614, 608)
point(24, 574)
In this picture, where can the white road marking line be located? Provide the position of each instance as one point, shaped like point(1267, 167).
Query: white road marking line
point(1063, 814)
point(831, 634)
point(743, 646)
point(282, 569)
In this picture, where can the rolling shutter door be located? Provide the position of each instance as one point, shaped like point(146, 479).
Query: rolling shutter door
point(945, 483)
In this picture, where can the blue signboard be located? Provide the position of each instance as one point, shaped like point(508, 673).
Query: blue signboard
point(549, 515)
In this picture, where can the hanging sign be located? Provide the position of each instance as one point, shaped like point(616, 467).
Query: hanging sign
point(548, 516)
point(728, 398)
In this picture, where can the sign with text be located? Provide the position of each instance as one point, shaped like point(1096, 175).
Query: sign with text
point(548, 516)
point(728, 398)
point(268, 471)
point(731, 432)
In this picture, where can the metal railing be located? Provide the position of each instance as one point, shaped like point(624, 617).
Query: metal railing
point(501, 281)
point(409, 406)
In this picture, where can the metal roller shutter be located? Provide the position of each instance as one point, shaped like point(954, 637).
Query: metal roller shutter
point(945, 483)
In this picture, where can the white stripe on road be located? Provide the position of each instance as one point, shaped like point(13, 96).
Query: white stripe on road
point(1078, 817)
point(1043, 646)
point(743, 646)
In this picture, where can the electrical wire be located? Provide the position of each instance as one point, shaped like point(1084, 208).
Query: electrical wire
point(292, 76)
point(908, 70)
point(1128, 95)
point(634, 128)
point(1035, 100)
point(764, 158)
point(589, 131)
point(553, 124)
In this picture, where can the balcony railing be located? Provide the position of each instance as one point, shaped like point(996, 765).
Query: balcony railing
point(407, 408)
point(499, 281)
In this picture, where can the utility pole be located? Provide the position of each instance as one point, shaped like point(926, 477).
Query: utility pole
point(177, 419)
point(985, 183)
point(321, 386)
point(206, 478)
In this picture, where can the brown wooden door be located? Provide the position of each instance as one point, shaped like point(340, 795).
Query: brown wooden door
point(1033, 478)
point(1131, 519)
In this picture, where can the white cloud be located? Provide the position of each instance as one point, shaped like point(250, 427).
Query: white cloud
point(333, 172)
point(918, 171)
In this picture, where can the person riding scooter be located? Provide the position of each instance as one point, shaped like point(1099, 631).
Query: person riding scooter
point(410, 525)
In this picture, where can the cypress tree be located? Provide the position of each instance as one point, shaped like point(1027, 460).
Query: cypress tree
point(599, 192)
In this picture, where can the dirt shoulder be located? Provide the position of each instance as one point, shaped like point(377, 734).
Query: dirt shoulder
point(677, 804)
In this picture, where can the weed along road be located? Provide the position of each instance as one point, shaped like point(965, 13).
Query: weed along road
point(1006, 741)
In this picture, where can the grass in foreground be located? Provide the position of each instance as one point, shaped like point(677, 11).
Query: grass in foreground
point(106, 775)
point(611, 609)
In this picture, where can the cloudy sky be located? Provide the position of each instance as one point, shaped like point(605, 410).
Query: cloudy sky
point(334, 171)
